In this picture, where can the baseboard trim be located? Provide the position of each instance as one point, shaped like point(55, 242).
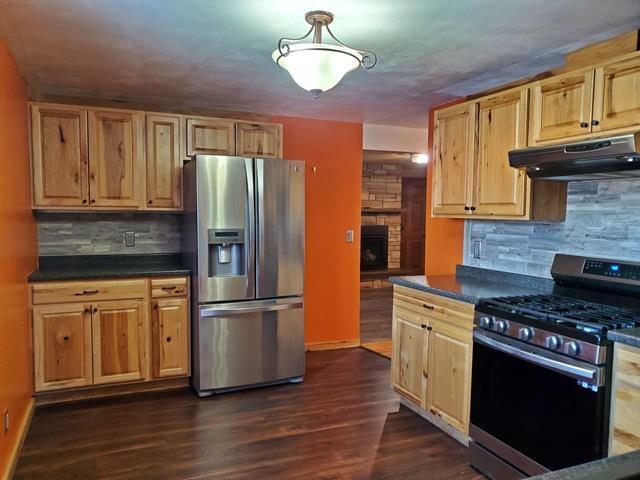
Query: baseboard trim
point(17, 448)
point(318, 346)
point(445, 427)
point(110, 391)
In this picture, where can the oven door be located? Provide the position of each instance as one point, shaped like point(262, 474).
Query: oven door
point(536, 409)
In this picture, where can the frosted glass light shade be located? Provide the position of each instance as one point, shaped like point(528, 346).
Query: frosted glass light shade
point(318, 67)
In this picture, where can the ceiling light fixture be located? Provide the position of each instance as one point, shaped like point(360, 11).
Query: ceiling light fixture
point(316, 66)
point(420, 158)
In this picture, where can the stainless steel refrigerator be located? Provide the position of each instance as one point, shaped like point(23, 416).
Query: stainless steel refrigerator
point(243, 238)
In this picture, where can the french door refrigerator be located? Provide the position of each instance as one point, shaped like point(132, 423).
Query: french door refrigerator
point(243, 238)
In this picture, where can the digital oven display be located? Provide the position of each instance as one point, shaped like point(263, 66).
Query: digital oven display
point(612, 269)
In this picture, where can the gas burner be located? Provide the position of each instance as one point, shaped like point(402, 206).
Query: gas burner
point(582, 315)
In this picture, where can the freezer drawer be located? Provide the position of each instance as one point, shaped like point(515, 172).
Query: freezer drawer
point(249, 343)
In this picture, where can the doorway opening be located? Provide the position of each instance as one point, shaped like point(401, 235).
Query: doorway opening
point(392, 238)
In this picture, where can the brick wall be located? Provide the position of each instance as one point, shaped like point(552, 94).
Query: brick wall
point(382, 188)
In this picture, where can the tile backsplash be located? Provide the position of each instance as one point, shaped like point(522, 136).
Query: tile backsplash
point(603, 220)
point(103, 233)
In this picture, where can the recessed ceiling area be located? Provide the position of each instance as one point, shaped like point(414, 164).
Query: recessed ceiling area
point(217, 54)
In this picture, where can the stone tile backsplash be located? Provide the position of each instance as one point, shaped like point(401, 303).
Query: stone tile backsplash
point(103, 233)
point(603, 220)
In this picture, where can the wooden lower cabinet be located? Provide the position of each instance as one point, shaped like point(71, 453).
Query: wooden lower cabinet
point(449, 392)
point(431, 355)
point(170, 333)
point(62, 346)
point(119, 339)
point(409, 346)
point(625, 401)
point(111, 339)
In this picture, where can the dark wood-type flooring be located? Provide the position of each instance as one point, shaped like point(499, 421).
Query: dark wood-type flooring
point(376, 305)
point(342, 422)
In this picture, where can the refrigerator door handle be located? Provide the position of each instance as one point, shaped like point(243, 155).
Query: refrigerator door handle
point(251, 227)
point(252, 307)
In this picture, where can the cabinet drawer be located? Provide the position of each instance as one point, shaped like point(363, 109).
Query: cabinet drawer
point(433, 306)
point(87, 291)
point(168, 287)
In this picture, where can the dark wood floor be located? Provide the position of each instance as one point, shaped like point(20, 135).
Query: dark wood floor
point(376, 305)
point(343, 422)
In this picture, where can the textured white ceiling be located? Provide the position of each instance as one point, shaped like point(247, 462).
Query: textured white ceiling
point(217, 53)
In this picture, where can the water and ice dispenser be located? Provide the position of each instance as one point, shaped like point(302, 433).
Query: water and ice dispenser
point(227, 252)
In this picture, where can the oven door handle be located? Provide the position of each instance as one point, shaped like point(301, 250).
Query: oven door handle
point(572, 368)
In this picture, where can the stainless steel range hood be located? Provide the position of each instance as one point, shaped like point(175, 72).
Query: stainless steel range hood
point(596, 159)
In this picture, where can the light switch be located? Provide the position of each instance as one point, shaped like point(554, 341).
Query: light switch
point(477, 249)
point(350, 236)
point(129, 239)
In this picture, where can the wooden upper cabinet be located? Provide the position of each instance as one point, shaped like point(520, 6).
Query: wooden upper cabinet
point(62, 346)
point(453, 152)
point(502, 126)
point(561, 107)
point(170, 333)
point(210, 137)
point(119, 341)
point(409, 347)
point(60, 158)
point(259, 140)
point(164, 161)
point(616, 101)
point(115, 173)
point(449, 393)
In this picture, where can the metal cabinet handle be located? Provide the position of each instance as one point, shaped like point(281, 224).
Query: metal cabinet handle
point(429, 328)
point(95, 310)
point(595, 122)
point(428, 307)
point(424, 326)
point(168, 289)
point(467, 208)
point(472, 208)
point(584, 124)
point(87, 292)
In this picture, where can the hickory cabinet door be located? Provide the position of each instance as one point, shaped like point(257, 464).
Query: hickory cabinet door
point(119, 340)
point(170, 342)
point(164, 162)
point(449, 392)
point(502, 126)
point(115, 173)
point(210, 137)
point(60, 157)
point(409, 345)
point(616, 99)
point(62, 346)
point(453, 155)
point(258, 140)
point(561, 107)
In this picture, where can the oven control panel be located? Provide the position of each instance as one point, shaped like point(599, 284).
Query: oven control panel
point(612, 269)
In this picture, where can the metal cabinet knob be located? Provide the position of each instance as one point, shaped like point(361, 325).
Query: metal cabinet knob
point(584, 124)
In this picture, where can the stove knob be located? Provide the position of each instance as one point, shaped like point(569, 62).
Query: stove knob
point(501, 326)
point(485, 322)
point(553, 342)
point(525, 334)
point(573, 348)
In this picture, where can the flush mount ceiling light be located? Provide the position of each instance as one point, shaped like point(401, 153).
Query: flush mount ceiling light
point(420, 158)
point(316, 66)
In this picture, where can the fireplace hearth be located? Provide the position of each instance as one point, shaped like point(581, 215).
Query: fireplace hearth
point(374, 247)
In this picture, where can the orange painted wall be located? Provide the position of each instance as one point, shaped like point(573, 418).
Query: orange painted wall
point(332, 266)
point(444, 237)
point(18, 253)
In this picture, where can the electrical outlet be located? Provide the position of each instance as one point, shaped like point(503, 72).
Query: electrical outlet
point(477, 249)
point(129, 239)
point(5, 421)
point(350, 236)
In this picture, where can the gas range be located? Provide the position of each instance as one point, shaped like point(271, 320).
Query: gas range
point(542, 363)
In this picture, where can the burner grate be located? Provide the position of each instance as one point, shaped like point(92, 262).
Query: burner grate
point(590, 317)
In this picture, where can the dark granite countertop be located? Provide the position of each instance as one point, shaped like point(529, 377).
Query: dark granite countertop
point(470, 284)
point(628, 336)
point(81, 267)
point(620, 467)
